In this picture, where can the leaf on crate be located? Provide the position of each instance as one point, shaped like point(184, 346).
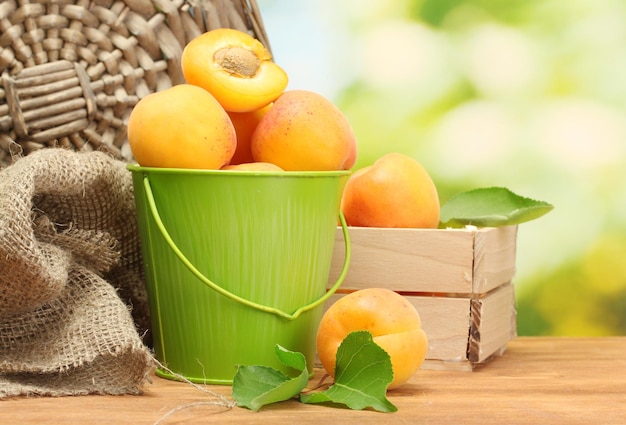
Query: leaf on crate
point(490, 207)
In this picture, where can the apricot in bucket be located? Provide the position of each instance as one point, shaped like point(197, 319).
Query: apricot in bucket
point(253, 166)
point(304, 131)
point(245, 123)
point(235, 68)
point(181, 127)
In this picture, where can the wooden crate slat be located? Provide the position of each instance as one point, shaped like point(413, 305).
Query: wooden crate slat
point(493, 323)
point(494, 258)
point(409, 260)
point(446, 323)
point(427, 260)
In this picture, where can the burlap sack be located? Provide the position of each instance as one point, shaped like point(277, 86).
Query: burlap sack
point(70, 273)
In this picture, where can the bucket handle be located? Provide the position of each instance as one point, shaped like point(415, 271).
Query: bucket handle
point(219, 289)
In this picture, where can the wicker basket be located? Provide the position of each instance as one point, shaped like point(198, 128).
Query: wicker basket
point(72, 70)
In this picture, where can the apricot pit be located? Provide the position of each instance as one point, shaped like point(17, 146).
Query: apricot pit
point(238, 61)
point(235, 68)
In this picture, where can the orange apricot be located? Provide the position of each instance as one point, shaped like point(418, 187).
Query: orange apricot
point(253, 166)
point(304, 131)
point(235, 68)
point(245, 123)
point(181, 127)
point(351, 157)
point(396, 191)
point(392, 320)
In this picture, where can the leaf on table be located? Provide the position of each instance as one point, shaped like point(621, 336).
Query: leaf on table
point(490, 207)
point(257, 386)
point(362, 375)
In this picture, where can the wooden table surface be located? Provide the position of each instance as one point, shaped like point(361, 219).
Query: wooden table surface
point(537, 381)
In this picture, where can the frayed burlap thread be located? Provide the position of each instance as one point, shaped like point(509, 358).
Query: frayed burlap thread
point(72, 296)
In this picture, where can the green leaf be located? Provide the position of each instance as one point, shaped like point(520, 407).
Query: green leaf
point(490, 207)
point(257, 386)
point(362, 375)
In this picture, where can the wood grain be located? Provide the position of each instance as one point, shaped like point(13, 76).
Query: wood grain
point(538, 380)
point(493, 323)
point(455, 261)
point(494, 257)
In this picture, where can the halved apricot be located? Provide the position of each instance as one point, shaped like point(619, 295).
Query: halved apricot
point(394, 323)
point(235, 68)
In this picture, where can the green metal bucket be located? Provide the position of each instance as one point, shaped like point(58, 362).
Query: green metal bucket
point(236, 262)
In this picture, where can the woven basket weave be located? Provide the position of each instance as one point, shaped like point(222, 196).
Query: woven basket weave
point(72, 70)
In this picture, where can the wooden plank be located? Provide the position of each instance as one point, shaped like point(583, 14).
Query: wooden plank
point(407, 260)
point(494, 258)
point(446, 323)
point(560, 381)
point(493, 323)
point(434, 364)
point(460, 261)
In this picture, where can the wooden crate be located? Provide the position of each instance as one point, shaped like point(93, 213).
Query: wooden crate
point(460, 281)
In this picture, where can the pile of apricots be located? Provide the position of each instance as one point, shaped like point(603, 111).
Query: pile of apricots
point(234, 113)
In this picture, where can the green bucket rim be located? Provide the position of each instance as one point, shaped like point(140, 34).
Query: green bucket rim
point(202, 171)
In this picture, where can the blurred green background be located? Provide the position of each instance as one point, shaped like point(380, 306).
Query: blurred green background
point(527, 94)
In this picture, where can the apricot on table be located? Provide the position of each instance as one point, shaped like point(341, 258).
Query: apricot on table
point(304, 131)
point(183, 126)
point(392, 320)
point(235, 68)
point(245, 123)
point(395, 191)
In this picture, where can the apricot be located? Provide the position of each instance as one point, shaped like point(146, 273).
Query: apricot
point(351, 157)
point(235, 68)
point(304, 131)
point(395, 191)
point(183, 126)
point(245, 123)
point(392, 320)
point(253, 166)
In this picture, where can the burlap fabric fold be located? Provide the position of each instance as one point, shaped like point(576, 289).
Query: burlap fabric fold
point(73, 307)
